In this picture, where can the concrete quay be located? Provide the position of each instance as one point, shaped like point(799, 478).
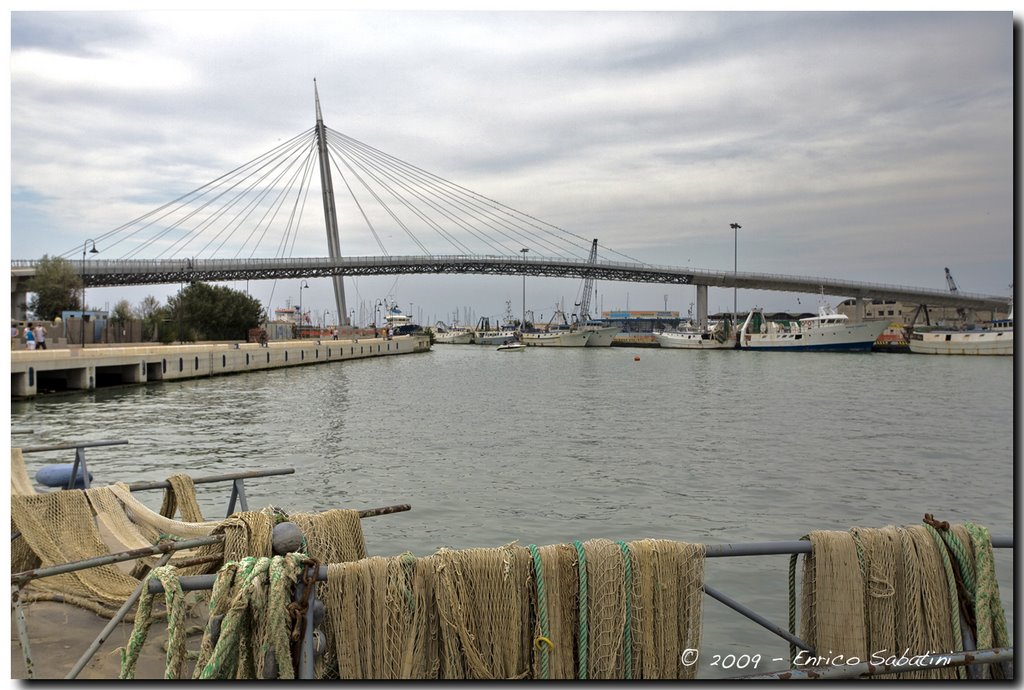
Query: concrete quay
point(57, 370)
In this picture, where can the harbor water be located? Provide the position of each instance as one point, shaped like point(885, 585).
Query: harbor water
point(552, 445)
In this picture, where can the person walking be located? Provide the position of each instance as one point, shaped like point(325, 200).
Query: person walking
point(30, 338)
point(40, 333)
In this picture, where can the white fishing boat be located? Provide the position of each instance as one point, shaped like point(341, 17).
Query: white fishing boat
point(557, 338)
point(452, 335)
point(600, 335)
point(484, 334)
point(992, 338)
point(829, 331)
point(692, 337)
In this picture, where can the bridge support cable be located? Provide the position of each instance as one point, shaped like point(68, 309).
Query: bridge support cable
point(257, 192)
point(486, 202)
point(410, 188)
point(475, 204)
point(133, 228)
point(206, 214)
point(387, 208)
point(294, 218)
point(415, 177)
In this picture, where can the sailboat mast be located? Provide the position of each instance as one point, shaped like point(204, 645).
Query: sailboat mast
point(330, 211)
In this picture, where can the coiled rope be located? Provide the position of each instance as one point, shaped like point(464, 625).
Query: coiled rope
point(543, 642)
point(582, 645)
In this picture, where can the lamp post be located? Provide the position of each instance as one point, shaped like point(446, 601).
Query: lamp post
point(302, 285)
point(735, 237)
point(91, 251)
point(522, 326)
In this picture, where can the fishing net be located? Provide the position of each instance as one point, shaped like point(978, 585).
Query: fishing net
point(881, 594)
point(65, 526)
point(597, 609)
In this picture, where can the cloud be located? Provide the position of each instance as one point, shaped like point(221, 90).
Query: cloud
point(873, 146)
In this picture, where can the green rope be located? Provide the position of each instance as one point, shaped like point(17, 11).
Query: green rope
point(963, 562)
point(988, 608)
point(954, 605)
point(627, 637)
point(542, 612)
point(581, 566)
point(231, 657)
point(175, 599)
point(792, 600)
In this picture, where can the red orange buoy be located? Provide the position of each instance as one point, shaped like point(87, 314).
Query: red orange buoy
point(637, 358)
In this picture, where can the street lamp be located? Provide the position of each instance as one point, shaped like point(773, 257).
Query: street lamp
point(91, 251)
point(735, 235)
point(302, 285)
point(522, 326)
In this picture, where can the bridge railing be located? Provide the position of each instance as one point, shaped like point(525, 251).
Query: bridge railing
point(192, 265)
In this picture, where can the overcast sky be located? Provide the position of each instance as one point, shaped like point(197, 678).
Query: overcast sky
point(862, 146)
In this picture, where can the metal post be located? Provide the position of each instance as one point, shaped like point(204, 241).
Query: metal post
point(82, 319)
point(522, 326)
point(237, 492)
point(757, 618)
point(306, 654)
point(19, 621)
point(79, 463)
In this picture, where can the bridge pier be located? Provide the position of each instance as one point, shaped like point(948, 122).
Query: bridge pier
point(702, 306)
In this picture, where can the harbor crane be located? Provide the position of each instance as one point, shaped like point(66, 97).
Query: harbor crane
point(588, 287)
point(960, 311)
point(949, 281)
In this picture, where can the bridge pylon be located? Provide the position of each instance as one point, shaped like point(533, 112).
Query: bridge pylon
point(330, 211)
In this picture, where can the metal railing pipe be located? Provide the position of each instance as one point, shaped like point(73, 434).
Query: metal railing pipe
point(73, 446)
point(166, 547)
point(149, 486)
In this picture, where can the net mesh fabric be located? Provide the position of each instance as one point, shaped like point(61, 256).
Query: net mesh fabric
point(879, 592)
point(472, 614)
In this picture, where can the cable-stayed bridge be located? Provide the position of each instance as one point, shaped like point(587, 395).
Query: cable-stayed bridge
point(246, 225)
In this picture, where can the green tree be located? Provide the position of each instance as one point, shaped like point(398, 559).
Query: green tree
point(214, 312)
point(150, 312)
point(122, 312)
point(56, 287)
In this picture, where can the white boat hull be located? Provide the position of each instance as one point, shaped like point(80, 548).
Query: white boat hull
point(557, 339)
point(845, 337)
point(491, 337)
point(999, 342)
point(516, 347)
point(453, 338)
point(692, 341)
point(601, 336)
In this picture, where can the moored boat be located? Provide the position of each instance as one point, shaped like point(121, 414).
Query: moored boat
point(829, 331)
point(484, 334)
point(600, 335)
point(691, 337)
point(452, 335)
point(557, 338)
point(992, 338)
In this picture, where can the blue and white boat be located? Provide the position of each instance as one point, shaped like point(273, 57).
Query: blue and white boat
point(829, 331)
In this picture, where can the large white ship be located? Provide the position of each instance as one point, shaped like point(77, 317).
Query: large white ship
point(829, 331)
